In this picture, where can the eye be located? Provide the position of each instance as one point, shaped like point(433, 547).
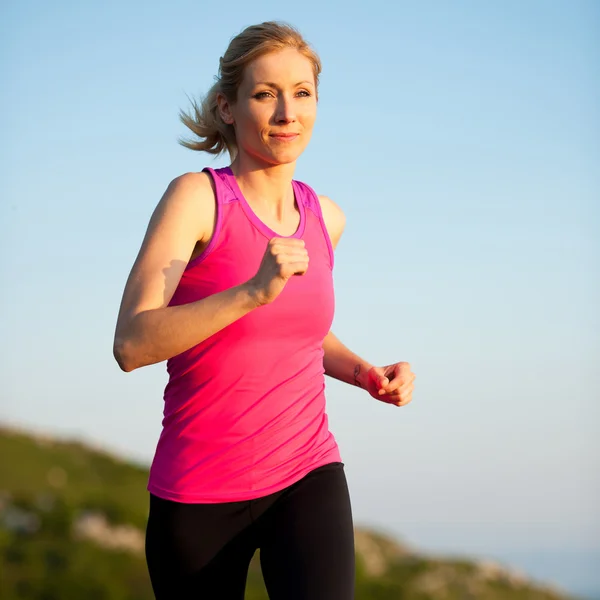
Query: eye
point(262, 95)
point(305, 93)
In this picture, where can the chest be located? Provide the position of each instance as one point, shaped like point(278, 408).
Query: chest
point(304, 309)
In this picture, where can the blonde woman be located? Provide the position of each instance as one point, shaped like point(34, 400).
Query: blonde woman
point(233, 287)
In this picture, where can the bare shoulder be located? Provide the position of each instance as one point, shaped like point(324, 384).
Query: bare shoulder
point(334, 217)
point(195, 188)
point(194, 181)
point(192, 195)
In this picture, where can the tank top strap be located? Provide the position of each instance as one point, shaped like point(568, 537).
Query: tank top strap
point(223, 196)
point(311, 202)
point(223, 190)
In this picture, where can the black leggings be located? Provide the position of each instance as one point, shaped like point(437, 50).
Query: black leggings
point(304, 532)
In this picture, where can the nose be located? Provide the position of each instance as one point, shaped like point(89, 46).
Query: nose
point(285, 110)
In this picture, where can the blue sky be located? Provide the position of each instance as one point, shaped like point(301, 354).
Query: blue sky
point(460, 138)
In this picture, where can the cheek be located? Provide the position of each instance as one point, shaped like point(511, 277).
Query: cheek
point(252, 124)
point(257, 116)
point(309, 117)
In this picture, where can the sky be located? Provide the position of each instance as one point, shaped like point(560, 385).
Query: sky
point(460, 138)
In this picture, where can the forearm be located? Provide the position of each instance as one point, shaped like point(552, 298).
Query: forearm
point(155, 335)
point(342, 364)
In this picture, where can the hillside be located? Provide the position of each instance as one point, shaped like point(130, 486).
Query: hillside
point(72, 524)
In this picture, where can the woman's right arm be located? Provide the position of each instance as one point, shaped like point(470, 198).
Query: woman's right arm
point(149, 331)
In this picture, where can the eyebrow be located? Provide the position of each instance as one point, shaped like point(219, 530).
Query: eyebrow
point(271, 84)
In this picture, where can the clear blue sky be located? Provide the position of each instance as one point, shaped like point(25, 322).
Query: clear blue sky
point(462, 141)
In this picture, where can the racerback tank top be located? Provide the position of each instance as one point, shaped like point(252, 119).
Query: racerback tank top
point(244, 410)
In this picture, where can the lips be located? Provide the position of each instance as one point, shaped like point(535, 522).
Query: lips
point(285, 136)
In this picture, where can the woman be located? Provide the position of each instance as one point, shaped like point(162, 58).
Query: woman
point(233, 287)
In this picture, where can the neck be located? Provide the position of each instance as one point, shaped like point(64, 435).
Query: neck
point(264, 185)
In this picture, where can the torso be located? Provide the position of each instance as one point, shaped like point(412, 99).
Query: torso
point(244, 413)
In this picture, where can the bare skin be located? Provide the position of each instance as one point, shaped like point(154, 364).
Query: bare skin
point(273, 117)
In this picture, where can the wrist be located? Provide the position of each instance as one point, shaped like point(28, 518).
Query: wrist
point(361, 374)
point(253, 297)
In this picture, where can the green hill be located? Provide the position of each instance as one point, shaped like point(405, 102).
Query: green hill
point(72, 522)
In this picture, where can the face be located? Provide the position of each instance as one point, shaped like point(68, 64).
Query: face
point(275, 109)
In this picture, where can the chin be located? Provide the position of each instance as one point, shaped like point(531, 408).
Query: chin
point(285, 157)
point(285, 160)
point(277, 156)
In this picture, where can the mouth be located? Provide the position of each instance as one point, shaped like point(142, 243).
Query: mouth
point(285, 137)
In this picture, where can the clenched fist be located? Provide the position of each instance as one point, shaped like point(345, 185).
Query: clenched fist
point(392, 384)
point(283, 258)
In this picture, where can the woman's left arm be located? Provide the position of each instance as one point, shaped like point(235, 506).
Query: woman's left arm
point(393, 383)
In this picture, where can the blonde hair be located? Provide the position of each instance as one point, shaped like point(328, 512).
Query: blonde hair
point(215, 135)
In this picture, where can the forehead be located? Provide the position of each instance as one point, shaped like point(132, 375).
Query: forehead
point(281, 66)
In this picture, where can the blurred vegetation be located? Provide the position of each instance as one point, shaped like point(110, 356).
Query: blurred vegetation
point(48, 489)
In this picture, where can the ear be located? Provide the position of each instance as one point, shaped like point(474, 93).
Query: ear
point(224, 108)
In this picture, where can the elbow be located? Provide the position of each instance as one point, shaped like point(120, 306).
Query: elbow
point(124, 355)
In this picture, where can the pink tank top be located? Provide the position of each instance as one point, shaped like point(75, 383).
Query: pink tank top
point(244, 412)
